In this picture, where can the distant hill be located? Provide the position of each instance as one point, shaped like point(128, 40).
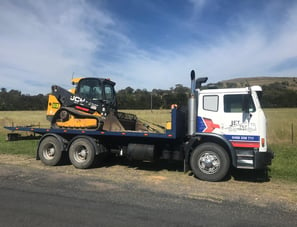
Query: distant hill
point(286, 82)
point(278, 91)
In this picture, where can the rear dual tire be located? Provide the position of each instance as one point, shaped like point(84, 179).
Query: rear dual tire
point(82, 153)
point(50, 150)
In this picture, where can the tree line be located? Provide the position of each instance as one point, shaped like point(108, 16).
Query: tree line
point(275, 95)
point(129, 98)
point(15, 100)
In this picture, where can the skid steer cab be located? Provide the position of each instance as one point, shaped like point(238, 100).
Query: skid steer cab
point(84, 106)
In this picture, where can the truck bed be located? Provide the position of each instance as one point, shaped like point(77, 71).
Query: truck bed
point(177, 130)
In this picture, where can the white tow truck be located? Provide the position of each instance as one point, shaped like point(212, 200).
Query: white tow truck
point(219, 129)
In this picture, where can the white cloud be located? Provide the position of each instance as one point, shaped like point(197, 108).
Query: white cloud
point(47, 41)
point(43, 43)
point(254, 51)
point(251, 50)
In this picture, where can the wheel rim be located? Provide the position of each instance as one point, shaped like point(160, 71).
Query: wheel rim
point(49, 151)
point(209, 163)
point(81, 154)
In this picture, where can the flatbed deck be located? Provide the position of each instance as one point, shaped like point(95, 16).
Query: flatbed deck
point(173, 133)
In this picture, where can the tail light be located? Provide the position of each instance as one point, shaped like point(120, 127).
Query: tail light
point(263, 142)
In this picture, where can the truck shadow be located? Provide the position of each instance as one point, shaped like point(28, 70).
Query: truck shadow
point(257, 176)
point(251, 175)
point(175, 166)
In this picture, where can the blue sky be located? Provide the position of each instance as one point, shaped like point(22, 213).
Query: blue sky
point(144, 44)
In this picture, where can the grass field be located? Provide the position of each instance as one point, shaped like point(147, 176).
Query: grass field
point(282, 125)
point(282, 135)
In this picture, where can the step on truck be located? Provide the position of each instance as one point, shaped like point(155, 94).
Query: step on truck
point(219, 129)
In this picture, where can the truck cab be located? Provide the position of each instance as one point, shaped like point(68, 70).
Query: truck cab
point(235, 113)
point(226, 127)
point(237, 116)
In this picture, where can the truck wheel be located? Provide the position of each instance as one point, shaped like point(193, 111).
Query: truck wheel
point(82, 153)
point(210, 162)
point(50, 150)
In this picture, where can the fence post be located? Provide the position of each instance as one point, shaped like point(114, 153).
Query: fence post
point(292, 133)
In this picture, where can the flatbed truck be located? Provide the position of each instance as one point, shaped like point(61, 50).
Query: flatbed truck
point(220, 129)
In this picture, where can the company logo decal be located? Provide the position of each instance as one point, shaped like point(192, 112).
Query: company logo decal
point(206, 125)
point(77, 99)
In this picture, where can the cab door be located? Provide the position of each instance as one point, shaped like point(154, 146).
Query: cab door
point(239, 120)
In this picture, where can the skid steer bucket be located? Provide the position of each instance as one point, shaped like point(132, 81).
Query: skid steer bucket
point(112, 123)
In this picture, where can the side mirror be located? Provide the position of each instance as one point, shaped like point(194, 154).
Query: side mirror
point(246, 103)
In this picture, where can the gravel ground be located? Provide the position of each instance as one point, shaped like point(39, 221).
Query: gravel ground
point(169, 178)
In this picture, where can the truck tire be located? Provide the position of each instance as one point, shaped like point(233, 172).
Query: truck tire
point(210, 162)
point(82, 153)
point(50, 150)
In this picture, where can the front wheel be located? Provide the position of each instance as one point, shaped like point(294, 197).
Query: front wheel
point(210, 162)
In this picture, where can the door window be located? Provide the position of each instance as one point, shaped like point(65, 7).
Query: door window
point(238, 103)
point(109, 92)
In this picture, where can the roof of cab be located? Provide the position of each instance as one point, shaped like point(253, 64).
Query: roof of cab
point(231, 90)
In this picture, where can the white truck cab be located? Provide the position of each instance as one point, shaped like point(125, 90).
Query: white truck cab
point(226, 127)
point(235, 113)
point(234, 118)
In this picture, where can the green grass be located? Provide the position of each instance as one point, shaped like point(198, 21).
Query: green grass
point(20, 118)
point(279, 125)
point(282, 139)
point(23, 147)
point(284, 163)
